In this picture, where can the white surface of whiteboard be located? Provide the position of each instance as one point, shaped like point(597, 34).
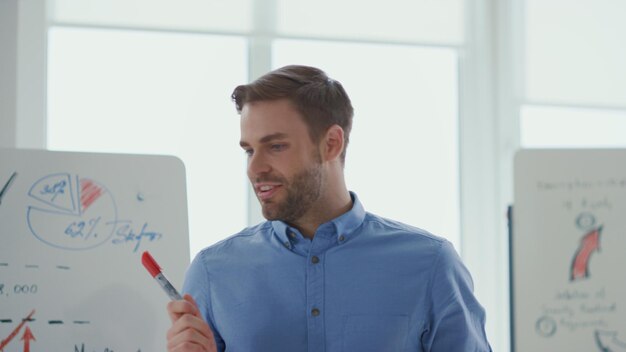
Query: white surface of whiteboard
point(73, 227)
point(569, 251)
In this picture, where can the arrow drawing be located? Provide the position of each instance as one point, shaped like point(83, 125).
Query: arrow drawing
point(607, 341)
point(28, 335)
point(6, 186)
point(6, 341)
point(588, 244)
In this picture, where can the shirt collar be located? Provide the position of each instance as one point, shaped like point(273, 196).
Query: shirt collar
point(342, 227)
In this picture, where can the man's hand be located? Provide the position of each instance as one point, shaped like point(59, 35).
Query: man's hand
point(189, 332)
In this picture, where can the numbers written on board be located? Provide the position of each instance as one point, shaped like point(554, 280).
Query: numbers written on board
point(54, 190)
point(23, 289)
point(83, 229)
point(125, 231)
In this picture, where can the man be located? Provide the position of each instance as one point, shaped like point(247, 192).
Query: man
point(321, 274)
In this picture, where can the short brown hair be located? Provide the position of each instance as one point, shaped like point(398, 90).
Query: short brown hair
point(321, 100)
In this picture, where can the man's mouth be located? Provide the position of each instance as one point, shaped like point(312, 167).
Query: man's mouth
point(265, 192)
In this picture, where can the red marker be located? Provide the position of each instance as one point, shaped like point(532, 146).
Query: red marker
point(155, 270)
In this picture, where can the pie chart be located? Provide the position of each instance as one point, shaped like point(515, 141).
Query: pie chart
point(71, 212)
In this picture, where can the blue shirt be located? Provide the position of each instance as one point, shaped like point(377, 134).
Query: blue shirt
point(364, 283)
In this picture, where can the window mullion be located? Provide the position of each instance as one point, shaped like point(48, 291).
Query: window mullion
point(260, 62)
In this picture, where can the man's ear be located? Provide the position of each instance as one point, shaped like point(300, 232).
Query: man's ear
point(333, 143)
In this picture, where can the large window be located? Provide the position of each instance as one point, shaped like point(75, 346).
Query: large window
point(156, 93)
point(403, 155)
point(410, 21)
point(572, 127)
point(158, 81)
point(575, 77)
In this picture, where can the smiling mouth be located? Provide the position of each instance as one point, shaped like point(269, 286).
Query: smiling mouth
point(266, 192)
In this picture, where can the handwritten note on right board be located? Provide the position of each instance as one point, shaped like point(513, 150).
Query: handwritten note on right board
point(568, 251)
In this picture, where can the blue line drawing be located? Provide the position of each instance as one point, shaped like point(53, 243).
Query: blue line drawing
point(125, 234)
point(545, 326)
point(88, 224)
point(56, 190)
point(607, 341)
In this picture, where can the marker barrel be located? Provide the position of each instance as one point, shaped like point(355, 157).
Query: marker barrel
point(167, 286)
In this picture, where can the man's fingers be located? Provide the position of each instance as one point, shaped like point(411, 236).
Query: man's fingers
point(189, 322)
point(188, 333)
point(189, 338)
point(190, 341)
point(176, 309)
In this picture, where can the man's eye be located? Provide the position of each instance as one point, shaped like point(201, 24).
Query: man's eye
point(248, 152)
point(277, 147)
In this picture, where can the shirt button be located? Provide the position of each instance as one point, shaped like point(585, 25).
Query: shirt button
point(292, 234)
point(315, 259)
point(342, 238)
point(315, 312)
point(287, 244)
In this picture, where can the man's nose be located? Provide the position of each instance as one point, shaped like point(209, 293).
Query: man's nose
point(257, 165)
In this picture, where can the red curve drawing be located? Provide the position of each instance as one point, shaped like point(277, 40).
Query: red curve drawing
point(588, 244)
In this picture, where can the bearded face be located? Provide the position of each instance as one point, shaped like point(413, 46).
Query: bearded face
point(284, 164)
point(299, 193)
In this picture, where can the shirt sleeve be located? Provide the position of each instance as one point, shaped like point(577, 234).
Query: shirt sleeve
point(456, 320)
point(197, 284)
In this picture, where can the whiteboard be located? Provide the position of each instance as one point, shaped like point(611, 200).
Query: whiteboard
point(73, 227)
point(568, 251)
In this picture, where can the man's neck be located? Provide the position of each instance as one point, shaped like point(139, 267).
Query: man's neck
point(309, 223)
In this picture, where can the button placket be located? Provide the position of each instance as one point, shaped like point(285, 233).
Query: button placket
point(315, 293)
